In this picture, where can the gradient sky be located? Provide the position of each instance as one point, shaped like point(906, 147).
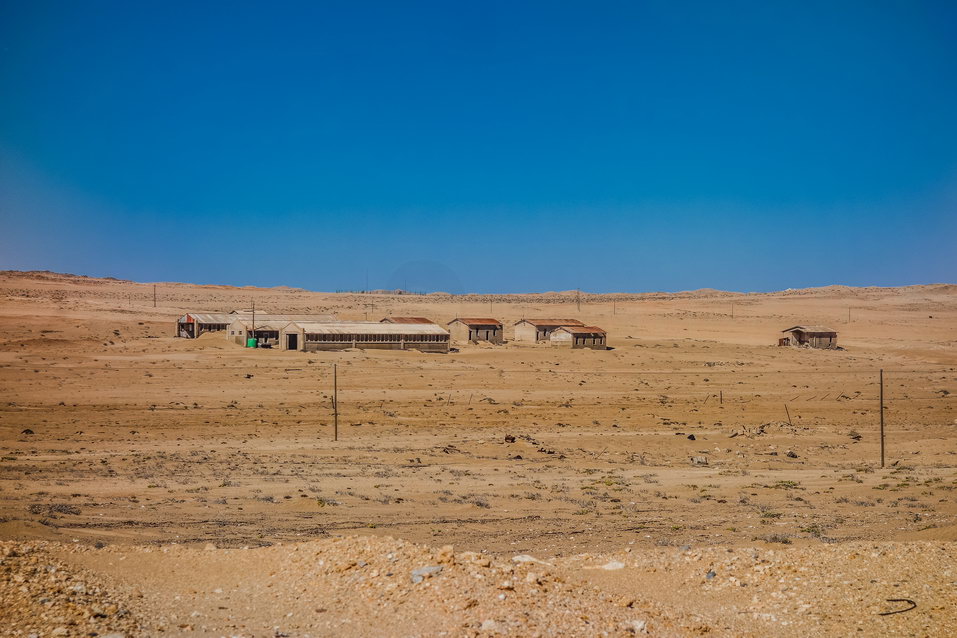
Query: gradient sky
point(481, 147)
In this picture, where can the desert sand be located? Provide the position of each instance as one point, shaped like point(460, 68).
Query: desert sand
point(694, 479)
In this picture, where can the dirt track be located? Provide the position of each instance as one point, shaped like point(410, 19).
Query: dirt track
point(140, 438)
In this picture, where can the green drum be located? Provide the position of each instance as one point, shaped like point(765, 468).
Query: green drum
point(251, 342)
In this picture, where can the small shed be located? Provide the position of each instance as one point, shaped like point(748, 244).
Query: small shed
point(406, 320)
point(579, 337)
point(475, 329)
point(809, 337)
point(538, 330)
point(366, 335)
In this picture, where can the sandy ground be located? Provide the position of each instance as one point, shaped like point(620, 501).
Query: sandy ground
point(127, 452)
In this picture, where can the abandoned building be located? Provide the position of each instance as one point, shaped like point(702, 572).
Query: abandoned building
point(539, 330)
point(266, 333)
point(579, 337)
point(809, 337)
point(406, 320)
point(367, 335)
point(474, 329)
point(194, 324)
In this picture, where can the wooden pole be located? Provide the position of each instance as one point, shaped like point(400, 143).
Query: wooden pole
point(788, 412)
point(721, 396)
point(882, 417)
point(335, 404)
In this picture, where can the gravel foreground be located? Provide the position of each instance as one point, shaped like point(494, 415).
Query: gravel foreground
point(361, 586)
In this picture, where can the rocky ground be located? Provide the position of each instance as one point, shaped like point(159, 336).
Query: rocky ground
point(361, 586)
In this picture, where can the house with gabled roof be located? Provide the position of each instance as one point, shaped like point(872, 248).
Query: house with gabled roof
point(539, 330)
point(579, 337)
point(475, 329)
point(809, 337)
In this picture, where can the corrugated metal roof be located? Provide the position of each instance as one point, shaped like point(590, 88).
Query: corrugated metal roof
point(208, 317)
point(367, 327)
point(223, 317)
point(810, 329)
point(406, 320)
point(583, 330)
point(268, 316)
point(549, 323)
point(271, 325)
point(477, 321)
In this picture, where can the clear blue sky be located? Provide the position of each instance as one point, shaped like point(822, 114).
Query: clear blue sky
point(487, 146)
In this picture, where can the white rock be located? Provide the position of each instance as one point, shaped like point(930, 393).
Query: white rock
point(525, 558)
point(636, 626)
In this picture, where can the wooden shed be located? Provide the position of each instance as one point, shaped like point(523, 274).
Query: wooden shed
point(539, 330)
point(475, 329)
point(809, 337)
point(579, 337)
point(366, 335)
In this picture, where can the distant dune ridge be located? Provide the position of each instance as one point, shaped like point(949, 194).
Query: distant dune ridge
point(564, 296)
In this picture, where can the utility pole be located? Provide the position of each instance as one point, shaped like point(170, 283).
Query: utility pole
point(335, 404)
point(154, 295)
point(882, 417)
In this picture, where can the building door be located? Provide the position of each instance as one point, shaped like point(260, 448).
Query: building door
point(292, 342)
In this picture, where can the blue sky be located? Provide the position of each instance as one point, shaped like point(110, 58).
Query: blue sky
point(488, 147)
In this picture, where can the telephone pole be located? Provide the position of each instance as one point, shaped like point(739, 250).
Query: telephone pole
point(335, 404)
point(882, 417)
